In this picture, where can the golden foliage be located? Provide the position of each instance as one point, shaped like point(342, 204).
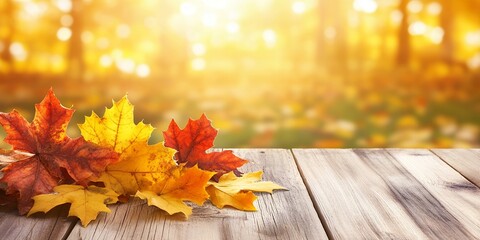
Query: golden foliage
point(140, 164)
point(86, 202)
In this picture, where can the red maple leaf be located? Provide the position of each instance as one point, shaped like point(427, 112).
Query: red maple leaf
point(55, 159)
point(192, 143)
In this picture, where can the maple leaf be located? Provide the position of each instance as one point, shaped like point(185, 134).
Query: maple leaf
point(55, 157)
point(241, 200)
point(184, 184)
point(140, 164)
point(86, 203)
point(237, 191)
point(229, 183)
point(192, 143)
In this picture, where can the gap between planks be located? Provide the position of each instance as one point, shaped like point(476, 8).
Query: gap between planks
point(382, 208)
point(310, 194)
point(465, 161)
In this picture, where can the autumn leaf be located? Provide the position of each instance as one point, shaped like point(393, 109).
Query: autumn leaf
point(140, 164)
point(229, 183)
point(86, 203)
point(11, 156)
point(192, 143)
point(55, 157)
point(237, 191)
point(184, 184)
point(165, 202)
point(241, 200)
point(140, 167)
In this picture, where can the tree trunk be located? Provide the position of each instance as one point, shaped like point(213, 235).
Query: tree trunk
point(75, 54)
point(341, 36)
point(403, 49)
point(446, 21)
point(321, 56)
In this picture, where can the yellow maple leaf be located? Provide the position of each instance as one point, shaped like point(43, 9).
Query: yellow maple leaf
point(140, 164)
point(86, 203)
point(229, 183)
point(116, 128)
point(237, 191)
point(241, 200)
point(184, 184)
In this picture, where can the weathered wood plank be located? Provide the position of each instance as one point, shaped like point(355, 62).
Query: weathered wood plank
point(283, 215)
point(354, 200)
point(465, 161)
point(457, 205)
point(53, 225)
point(367, 194)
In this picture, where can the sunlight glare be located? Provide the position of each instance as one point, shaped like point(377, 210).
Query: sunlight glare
point(233, 27)
point(64, 5)
point(106, 61)
point(64, 34)
point(436, 35)
point(415, 6)
point(299, 7)
point(198, 49)
point(396, 16)
point(417, 28)
point(269, 37)
point(126, 65)
point(18, 51)
point(143, 70)
point(198, 64)
point(366, 6)
point(35, 9)
point(473, 38)
point(216, 4)
point(188, 9)
point(434, 8)
point(474, 62)
point(209, 20)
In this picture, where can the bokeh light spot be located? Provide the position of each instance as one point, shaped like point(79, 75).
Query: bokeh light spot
point(366, 6)
point(299, 7)
point(18, 51)
point(198, 64)
point(417, 28)
point(64, 34)
point(269, 37)
point(143, 70)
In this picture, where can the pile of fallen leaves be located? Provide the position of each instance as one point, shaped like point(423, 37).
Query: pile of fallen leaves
point(112, 161)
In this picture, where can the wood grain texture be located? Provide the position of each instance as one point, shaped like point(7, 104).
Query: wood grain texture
point(53, 225)
point(465, 161)
point(368, 194)
point(457, 200)
point(360, 194)
point(354, 200)
point(283, 215)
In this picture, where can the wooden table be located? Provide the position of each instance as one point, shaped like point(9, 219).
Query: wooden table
point(333, 193)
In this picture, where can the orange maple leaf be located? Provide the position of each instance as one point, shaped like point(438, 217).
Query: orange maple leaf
point(56, 158)
point(183, 184)
point(192, 143)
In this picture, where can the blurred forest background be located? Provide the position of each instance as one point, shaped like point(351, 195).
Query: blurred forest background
point(268, 73)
